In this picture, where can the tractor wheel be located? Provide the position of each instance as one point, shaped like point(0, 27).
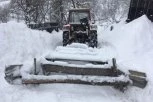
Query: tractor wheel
point(93, 39)
point(65, 38)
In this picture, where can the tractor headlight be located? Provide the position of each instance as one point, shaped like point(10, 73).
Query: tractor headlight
point(93, 27)
point(66, 27)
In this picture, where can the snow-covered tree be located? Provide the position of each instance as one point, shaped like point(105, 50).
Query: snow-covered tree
point(39, 11)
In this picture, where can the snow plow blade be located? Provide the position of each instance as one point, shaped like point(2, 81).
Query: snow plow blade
point(77, 75)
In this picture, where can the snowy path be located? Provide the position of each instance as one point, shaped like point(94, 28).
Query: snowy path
point(63, 93)
point(130, 43)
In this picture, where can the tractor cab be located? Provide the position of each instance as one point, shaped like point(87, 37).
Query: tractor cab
point(79, 29)
point(77, 16)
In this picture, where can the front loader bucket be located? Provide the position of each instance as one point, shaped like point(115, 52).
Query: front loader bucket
point(138, 78)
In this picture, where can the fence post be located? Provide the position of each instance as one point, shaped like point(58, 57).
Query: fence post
point(35, 68)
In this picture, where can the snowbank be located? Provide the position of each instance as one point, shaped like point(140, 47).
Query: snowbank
point(19, 43)
point(134, 45)
point(132, 42)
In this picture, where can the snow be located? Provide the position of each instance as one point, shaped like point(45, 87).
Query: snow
point(16, 37)
point(85, 78)
point(79, 64)
point(74, 51)
point(131, 44)
point(3, 3)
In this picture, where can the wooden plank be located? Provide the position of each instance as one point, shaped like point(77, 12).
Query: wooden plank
point(9, 73)
point(136, 73)
point(138, 81)
point(35, 67)
point(70, 81)
point(80, 71)
point(9, 70)
point(67, 60)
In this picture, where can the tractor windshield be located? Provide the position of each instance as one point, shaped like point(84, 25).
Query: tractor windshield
point(75, 17)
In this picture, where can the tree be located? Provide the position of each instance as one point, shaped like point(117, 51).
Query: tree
point(33, 10)
point(39, 11)
point(4, 14)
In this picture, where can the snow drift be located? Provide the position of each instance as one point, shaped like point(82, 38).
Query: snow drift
point(19, 43)
point(134, 45)
point(131, 44)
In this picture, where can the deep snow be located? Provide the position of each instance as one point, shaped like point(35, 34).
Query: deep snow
point(19, 42)
point(130, 43)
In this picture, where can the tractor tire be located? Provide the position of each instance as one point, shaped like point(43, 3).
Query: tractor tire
point(65, 38)
point(93, 39)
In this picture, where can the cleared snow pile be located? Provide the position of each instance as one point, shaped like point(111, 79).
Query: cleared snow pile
point(18, 43)
point(78, 51)
point(134, 45)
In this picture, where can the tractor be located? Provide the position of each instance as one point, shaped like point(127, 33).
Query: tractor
point(80, 28)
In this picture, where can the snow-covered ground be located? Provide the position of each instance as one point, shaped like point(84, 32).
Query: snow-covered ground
point(131, 44)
